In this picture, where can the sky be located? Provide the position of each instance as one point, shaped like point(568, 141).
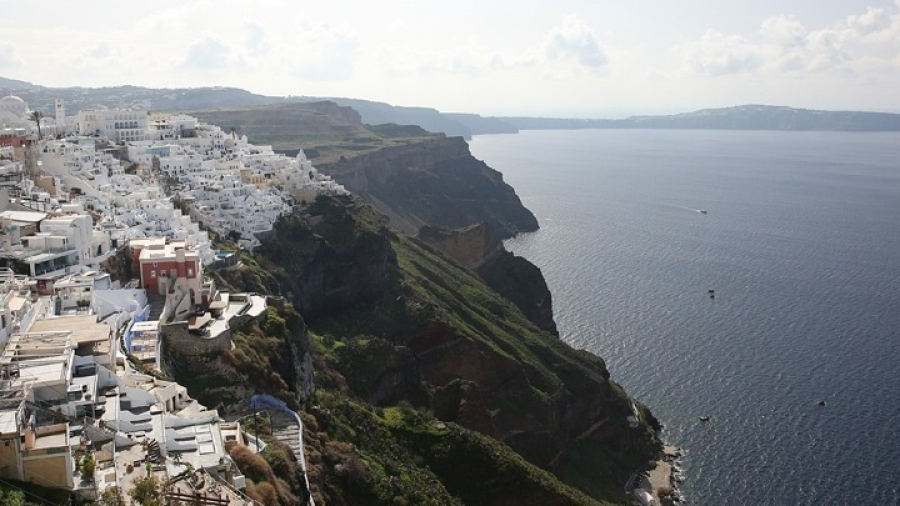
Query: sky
point(566, 58)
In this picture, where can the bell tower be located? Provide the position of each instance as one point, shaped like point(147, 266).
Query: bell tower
point(60, 114)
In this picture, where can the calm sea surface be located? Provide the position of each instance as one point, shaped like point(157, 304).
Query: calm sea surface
point(801, 243)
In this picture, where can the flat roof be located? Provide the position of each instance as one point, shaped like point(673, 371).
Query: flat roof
point(8, 421)
point(85, 328)
point(49, 347)
point(168, 252)
point(198, 322)
point(40, 370)
point(150, 241)
point(43, 257)
point(145, 326)
point(23, 216)
point(52, 440)
point(16, 303)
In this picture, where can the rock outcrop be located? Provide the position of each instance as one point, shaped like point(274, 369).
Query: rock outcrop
point(403, 324)
point(436, 182)
point(478, 248)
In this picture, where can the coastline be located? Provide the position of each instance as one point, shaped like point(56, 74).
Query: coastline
point(657, 483)
point(666, 476)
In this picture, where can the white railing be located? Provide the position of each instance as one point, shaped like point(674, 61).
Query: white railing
point(260, 400)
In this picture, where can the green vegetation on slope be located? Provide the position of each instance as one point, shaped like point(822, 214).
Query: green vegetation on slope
point(420, 366)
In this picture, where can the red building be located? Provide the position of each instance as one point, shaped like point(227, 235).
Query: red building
point(171, 266)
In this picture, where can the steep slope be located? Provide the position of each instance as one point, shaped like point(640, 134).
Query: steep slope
point(402, 324)
point(436, 182)
point(515, 278)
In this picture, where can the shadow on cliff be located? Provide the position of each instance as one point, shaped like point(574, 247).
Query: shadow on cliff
point(402, 323)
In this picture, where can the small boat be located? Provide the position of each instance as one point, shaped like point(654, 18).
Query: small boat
point(702, 211)
point(822, 403)
point(705, 418)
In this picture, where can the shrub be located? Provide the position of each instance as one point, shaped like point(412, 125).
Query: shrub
point(266, 493)
point(148, 491)
point(252, 465)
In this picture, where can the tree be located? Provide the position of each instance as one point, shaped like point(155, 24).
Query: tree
point(111, 496)
point(87, 467)
point(36, 116)
point(148, 491)
point(12, 497)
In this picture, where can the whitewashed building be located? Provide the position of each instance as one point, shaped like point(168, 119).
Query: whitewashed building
point(117, 125)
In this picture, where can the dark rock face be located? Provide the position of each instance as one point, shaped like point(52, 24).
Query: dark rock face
point(437, 183)
point(217, 379)
point(523, 284)
point(319, 276)
point(415, 327)
point(120, 266)
point(517, 279)
point(472, 246)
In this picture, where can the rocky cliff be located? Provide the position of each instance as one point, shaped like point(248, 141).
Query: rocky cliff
point(436, 182)
point(515, 278)
point(396, 322)
point(274, 356)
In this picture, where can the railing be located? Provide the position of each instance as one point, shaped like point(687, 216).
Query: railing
point(263, 400)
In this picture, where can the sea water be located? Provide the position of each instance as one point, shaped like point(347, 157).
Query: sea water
point(800, 241)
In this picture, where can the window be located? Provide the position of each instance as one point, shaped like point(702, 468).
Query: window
point(152, 273)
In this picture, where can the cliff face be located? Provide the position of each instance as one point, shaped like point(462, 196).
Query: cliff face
point(273, 356)
point(332, 260)
point(436, 182)
point(402, 324)
point(270, 122)
point(513, 277)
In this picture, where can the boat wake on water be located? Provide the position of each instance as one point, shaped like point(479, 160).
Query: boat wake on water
point(701, 211)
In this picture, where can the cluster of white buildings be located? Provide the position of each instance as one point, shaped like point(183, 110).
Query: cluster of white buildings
point(101, 186)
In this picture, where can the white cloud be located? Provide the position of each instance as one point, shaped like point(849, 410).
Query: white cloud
point(858, 44)
point(257, 38)
point(9, 57)
point(320, 52)
point(718, 54)
point(569, 49)
point(575, 41)
point(783, 31)
point(101, 51)
point(209, 53)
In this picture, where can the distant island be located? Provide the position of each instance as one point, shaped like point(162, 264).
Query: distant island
point(742, 117)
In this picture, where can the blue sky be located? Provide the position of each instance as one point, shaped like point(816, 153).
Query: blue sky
point(578, 58)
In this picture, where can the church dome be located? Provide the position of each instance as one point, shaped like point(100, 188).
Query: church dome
point(14, 104)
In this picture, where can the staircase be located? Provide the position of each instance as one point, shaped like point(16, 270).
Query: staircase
point(157, 303)
point(153, 452)
point(286, 430)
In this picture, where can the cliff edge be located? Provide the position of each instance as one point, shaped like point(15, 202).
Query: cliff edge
point(398, 324)
point(478, 248)
point(434, 182)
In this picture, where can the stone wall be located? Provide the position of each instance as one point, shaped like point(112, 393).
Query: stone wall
point(177, 339)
